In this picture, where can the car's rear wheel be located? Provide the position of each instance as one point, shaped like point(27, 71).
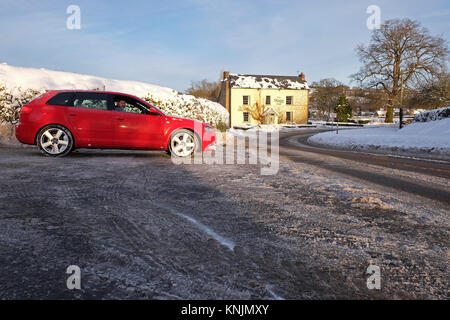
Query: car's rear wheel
point(55, 141)
point(183, 143)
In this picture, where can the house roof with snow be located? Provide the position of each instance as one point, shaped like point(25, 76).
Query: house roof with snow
point(249, 81)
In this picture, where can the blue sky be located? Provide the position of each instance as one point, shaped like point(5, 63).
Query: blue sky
point(170, 43)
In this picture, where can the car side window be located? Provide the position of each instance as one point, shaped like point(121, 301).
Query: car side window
point(97, 101)
point(132, 108)
point(130, 105)
point(62, 99)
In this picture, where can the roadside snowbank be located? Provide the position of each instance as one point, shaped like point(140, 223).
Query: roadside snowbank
point(177, 104)
point(254, 130)
point(430, 137)
point(432, 115)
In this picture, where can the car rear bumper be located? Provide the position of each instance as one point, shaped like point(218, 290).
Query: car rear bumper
point(24, 134)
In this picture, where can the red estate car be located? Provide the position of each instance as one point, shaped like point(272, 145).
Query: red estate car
point(60, 121)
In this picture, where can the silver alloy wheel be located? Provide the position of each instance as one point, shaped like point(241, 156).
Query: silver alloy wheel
point(54, 141)
point(182, 144)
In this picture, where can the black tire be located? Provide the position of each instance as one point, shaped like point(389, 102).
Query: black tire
point(60, 144)
point(193, 137)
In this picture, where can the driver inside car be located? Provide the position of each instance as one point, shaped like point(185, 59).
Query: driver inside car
point(120, 105)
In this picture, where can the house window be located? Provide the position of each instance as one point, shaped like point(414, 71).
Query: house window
point(267, 100)
point(289, 99)
point(289, 116)
point(246, 116)
point(246, 100)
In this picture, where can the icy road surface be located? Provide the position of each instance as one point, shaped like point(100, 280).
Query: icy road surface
point(139, 226)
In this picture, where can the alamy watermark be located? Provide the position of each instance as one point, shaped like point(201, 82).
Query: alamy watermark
point(374, 20)
point(374, 280)
point(258, 147)
point(74, 280)
point(73, 22)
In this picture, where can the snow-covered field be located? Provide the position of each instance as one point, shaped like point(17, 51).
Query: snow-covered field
point(432, 137)
point(168, 99)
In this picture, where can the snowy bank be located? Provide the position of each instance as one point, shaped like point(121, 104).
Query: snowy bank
point(250, 130)
point(432, 115)
point(418, 138)
point(170, 100)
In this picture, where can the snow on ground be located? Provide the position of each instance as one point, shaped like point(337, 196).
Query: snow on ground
point(41, 79)
point(252, 130)
point(246, 130)
point(429, 137)
point(376, 122)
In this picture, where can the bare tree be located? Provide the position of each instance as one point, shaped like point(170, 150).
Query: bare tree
point(204, 89)
point(256, 111)
point(325, 94)
point(367, 99)
point(401, 54)
point(435, 94)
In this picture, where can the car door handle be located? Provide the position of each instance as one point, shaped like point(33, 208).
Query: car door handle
point(120, 118)
point(72, 114)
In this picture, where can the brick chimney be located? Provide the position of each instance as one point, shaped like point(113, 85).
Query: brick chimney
point(226, 84)
point(302, 76)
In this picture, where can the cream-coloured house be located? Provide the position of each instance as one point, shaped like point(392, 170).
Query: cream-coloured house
point(255, 99)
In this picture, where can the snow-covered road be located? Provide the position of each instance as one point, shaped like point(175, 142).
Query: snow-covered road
point(141, 227)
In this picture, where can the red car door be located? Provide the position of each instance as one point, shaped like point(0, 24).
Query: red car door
point(134, 127)
point(92, 120)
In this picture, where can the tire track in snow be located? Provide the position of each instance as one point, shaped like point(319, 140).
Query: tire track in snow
point(223, 241)
point(269, 289)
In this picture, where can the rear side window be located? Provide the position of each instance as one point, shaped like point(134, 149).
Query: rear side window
point(91, 101)
point(62, 99)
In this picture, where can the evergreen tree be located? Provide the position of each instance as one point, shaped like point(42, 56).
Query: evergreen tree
point(343, 109)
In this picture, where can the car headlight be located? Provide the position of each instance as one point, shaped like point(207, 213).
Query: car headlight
point(208, 129)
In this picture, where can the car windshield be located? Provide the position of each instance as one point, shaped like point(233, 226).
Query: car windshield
point(149, 104)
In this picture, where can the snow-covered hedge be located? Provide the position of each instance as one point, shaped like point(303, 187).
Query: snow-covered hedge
point(187, 106)
point(12, 100)
point(432, 115)
point(167, 99)
point(180, 105)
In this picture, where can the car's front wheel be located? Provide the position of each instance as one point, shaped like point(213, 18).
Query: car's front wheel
point(55, 141)
point(183, 143)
